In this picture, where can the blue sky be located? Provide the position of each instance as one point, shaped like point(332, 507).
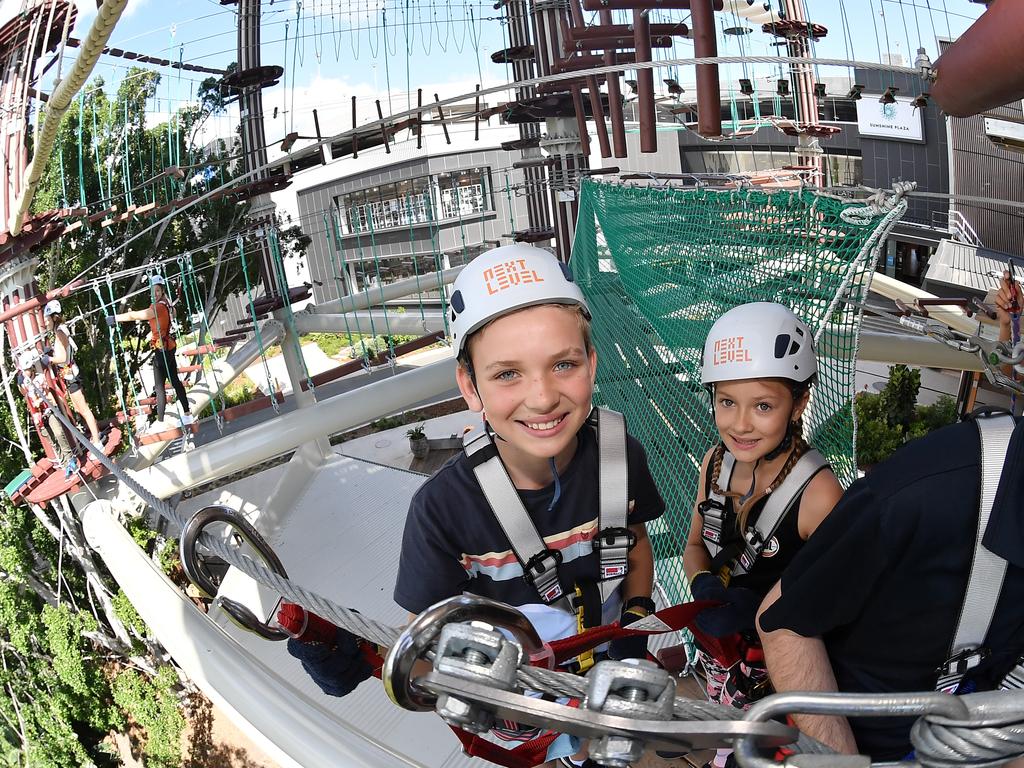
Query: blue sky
point(339, 47)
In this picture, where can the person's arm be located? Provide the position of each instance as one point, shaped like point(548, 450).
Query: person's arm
point(1007, 298)
point(798, 663)
point(639, 579)
point(820, 496)
point(695, 555)
point(138, 314)
point(60, 349)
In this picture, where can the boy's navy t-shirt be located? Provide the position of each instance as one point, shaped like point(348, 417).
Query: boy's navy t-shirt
point(453, 543)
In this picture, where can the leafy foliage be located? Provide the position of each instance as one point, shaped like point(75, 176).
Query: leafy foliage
point(887, 420)
point(153, 706)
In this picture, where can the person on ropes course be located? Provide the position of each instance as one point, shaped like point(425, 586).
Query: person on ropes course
point(915, 582)
point(521, 330)
point(763, 491)
point(61, 353)
point(165, 365)
point(31, 380)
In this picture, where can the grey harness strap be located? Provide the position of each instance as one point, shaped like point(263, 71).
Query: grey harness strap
point(987, 569)
point(614, 539)
point(540, 563)
point(779, 503)
point(714, 513)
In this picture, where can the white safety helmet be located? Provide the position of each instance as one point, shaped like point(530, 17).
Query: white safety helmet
point(760, 340)
point(27, 359)
point(505, 279)
point(155, 280)
point(52, 308)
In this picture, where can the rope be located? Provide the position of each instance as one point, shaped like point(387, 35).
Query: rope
point(253, 173)
point(348, 289)
point(535, 678)
point(282, 282)
point(256, 326)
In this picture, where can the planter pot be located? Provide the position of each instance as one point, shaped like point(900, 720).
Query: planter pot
point(419, 447)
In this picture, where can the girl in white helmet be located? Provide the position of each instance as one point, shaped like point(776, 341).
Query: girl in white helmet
point(762, 490)
point(63, 356)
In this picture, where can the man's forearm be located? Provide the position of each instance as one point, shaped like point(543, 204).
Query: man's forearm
point(797, 663)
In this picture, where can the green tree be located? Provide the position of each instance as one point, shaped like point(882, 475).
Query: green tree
point(887, 420)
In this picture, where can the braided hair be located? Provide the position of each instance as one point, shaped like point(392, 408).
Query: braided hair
point(800, 447)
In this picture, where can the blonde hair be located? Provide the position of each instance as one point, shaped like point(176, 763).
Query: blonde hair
point(800, 447)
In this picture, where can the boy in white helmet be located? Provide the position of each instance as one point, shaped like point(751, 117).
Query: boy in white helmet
point(748, 521)
point(62, 355)
point(521, 330)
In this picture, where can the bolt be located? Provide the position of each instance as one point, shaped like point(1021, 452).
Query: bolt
point(473, 656)
point(634, 695)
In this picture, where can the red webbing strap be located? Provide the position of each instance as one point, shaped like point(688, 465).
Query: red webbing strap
point(526, 755)
point(666, 620)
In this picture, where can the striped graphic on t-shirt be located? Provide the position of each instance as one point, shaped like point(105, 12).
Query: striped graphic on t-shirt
point(503, 566)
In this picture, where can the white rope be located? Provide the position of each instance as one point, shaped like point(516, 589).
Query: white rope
point(59, 102)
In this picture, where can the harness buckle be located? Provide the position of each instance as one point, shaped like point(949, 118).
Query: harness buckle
point(613, 546)
point(713, 514)
point(963, 662)
point(752, 551)
point(541, 573)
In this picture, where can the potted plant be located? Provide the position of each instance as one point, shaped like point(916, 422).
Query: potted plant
point(418, 442)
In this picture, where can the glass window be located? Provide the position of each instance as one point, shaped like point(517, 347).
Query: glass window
point(464, 193)
point(387, 206)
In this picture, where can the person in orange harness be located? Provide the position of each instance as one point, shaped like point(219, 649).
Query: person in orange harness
point(763, 491)
point(165, 366)
point(521, 329)
point(61, 353)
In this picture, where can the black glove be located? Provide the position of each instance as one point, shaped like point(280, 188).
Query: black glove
point(735, 615)
point(707, 586)
point(634, 647)
point(337, 668)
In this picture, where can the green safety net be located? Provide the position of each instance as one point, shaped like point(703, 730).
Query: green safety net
point(659, 265)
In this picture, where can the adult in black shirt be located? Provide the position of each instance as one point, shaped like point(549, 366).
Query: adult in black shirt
point(872, 601)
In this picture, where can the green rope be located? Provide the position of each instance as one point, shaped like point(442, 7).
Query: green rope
point(415, 258)
point(126, 179)
point(81, 142)
point(113, 330)
point(359, 248)
point(96, 151)
point(189, 282)
point(63, 182)
point(282, 282)
point(462, 226)
point(255, 324)
point(438, 262)
point(333, 249)
point(508, 194)
point(380, 286)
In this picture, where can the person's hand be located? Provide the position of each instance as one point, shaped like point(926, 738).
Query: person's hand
point(1008, 299)
point(735, 615)
point(111, 320)
point(707, 586)
point(331, 656)
point(634, 647)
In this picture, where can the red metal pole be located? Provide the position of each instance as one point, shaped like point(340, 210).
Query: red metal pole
point(705, 44)
point(645, 84)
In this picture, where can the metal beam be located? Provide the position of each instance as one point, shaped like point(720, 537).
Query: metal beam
point(390, 292)
point(361, 322)
point(291, 430)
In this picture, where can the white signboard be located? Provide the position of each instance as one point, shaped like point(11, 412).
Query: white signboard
point(899, 120)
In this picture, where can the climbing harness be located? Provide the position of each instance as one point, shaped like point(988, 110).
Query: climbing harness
point(613, 540)
point(740, 557)
point(967, 649)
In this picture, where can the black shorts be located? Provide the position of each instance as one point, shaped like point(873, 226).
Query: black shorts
point(73, 385)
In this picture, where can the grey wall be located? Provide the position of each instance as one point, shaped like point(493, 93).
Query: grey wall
point(980, 169)
point(451, 236)
point(889, 160)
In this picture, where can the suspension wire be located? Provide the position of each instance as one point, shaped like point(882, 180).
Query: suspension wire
point(218, 417)
point(256, 325)
point(335, 246)
point(380, 285)
point(415, 258)
point(282, 282)
point(114, 332)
